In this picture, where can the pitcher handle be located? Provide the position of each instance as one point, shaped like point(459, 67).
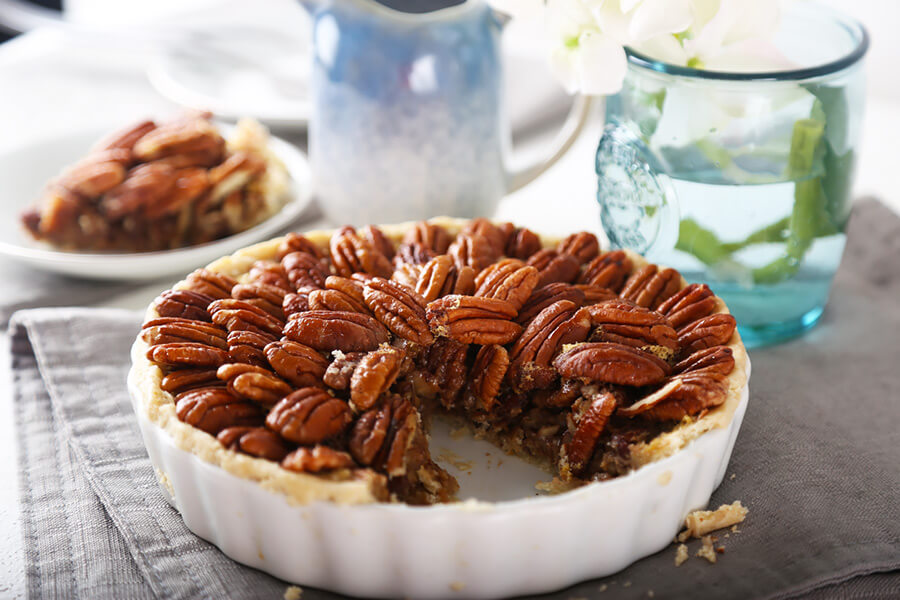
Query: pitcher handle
point(574, 124)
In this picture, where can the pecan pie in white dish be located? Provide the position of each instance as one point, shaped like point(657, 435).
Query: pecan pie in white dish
point(286, 394)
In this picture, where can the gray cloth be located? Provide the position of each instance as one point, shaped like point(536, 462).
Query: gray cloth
point(816, 462)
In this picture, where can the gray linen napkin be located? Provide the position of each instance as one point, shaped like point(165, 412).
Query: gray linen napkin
point(816, 463)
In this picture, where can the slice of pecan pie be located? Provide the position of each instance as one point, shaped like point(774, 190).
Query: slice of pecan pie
point(161, 186)
point(312, 363)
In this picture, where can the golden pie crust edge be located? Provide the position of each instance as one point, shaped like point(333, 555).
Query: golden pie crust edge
point(158, 406)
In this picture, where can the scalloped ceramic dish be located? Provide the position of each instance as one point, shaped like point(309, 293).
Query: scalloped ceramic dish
point(502, 541)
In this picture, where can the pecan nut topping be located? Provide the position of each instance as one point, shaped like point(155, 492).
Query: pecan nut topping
point(145, 186)
point(215, 285)
point(183, 304)
point(412, 254)
point(240, 315)
point(714, 330)
point(269, 298)
point(434, 237)
point(582, 245)
point(294, 304)
point(270, 273)
point(303, 270)
point(691, 303)
point(594, 294)
point(183, 380)
point(124, 139)
point(298, 364)
point(334, 300)
point(591, 415)
point(609, 270)
point(254, 383)
point(554, 267)
point(352, 254)
point(93, 176)
point(509, 279)
point(317, 459)
point(336, 330)
point(376, 238)
point(247, 347)
point(369, 433)
point(649, 287)
point(338, 374)
point(471, 250)
point(606, 362)
point(214, 409)
point(544, 296)
point(473, 320)
point(399, 308)
point(445, 369)
point(440, 276)
point(625, 323)
point(531, 356)
point(521, 243)
point(187, 354)
point(490, 232)
point(168, 330)
point(255, 441)
point(401, 434)
point(373, 376)
point(487, 374)
point(295, 242)
point(308, 416)
point(179, 137)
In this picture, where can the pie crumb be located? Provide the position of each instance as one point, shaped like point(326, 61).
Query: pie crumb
point(626, 584)
point(706, 550)
point(457, 586)
point(293, 592)
point(681, 554)
point(732, 477)
point(603, 587)
point(701, 522)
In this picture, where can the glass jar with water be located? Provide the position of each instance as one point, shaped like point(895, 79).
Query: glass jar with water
point(742, 180)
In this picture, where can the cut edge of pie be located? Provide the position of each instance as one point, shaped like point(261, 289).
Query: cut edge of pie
point(362, 487)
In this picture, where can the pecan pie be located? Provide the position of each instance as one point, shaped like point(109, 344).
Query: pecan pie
point(161, 186)
point(313, 363)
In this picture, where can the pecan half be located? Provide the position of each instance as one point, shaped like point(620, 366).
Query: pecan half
point(369, 433)
point(562, 397)
point(335, 300)
point(253, 382)
point(544, 296)
point(308, 416)
point(93, 176)
point(693, 302)
point(626, 323)
point(267, 297)
point(317, 459)
point(255, 441)
point(412, 254)
point(608, 270)
point(124, 139)
point(183, 380)
point(596, 295)
point(522, 243)
point(168, 330)
point(213, 409)
point(335, 330)
point(294, 304)
point(299, 364)
point(352, 254)
point(240, 315)
point(440, 276)
point(144, 186)
point(490, 232)
point(434, 237)
point(270, 273)
point(303, 270)
point(554, 267)
point(376, 238)
point(215, 285)
point(649, 286)
point(338, 374)
point(184, 304)
point(509, 279)
point(187, 354)
point(233, 174)
point(471, 250)
point(373, 376)
point(719, 358)
point(590, 416)
point(401, 434)
point(178, 137)
point(399, 308)
point(247, 347)
point(611, 363)
point(582, 245)
point(487, 375)
point(707, 332)
point(190, 184)
point(295, 242)
point(530, 358)
point(473, 320)
point(444, 368)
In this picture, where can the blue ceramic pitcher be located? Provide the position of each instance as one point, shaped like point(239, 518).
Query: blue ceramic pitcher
point(408, 118)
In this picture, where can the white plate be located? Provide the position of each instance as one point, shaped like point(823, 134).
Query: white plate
point(24, 172)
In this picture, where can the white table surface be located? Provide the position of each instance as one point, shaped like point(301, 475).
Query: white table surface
point(48, 84)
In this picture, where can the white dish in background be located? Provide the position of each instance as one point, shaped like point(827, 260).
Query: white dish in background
point(24, 171)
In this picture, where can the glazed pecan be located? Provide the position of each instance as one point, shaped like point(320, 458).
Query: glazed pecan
point(693, 302)
point(190, 184)
point(401, 434)
point(294, 304)
point(607, 362)
point(214, 409)
point(299, 364)
point(124, 139)
point(544, 296)
point(335, 300)
point(183, 380)
point(594, 294)
point(434, 237)
point(270, 273)
point(184, 304)
point(554, 267)
point(487, 375)
point(626, 323)
point(369, 433)
point(509, 279)
point(317, 459)
point(247, 347)
point(267, 297)
point(338, 374)
point(521, 243)
point(240, 315)
point(304, 271)
point(255, 441)
point(407, 274)
point(412, 253)
point(649, 286)
point(335, 330)
point(490, 232)
point(215, 285)
point(253, 382)
point(295, 242)
point(168, 330)
point(399, 308)
point(473, 320)
point(234, 173)
point(179, 137)
point(353, 254)
point(444, 367)
point(95, 175)
point(700, 383)
point(590, 416)
point(562, 397)
point(472, 250)
point(373, 376)
point(608, 270)
point(707, 332)
point(187, 354)
point(376, 238)
point(530, 358)
point(582, 245)
point(144, 186)
point(308, 416)
point(440, 277)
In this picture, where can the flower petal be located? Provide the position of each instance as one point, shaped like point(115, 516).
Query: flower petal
point(657, 17)
point(600, 64)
